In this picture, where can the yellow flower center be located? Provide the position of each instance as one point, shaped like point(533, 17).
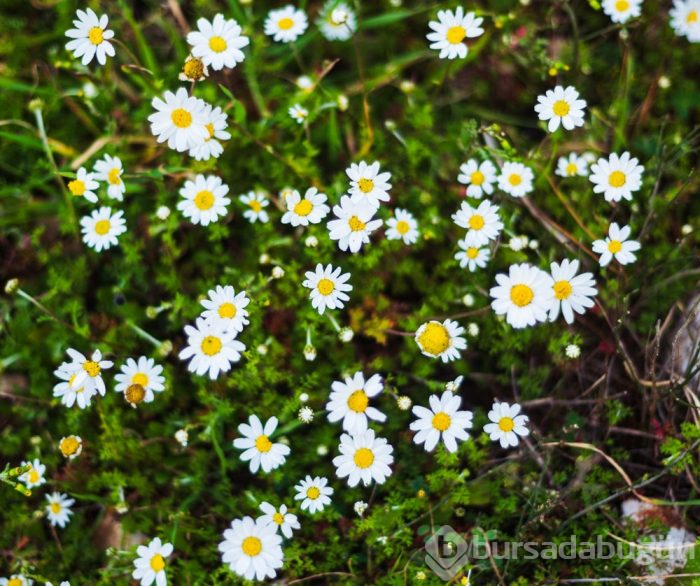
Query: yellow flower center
point(472, 252)
point(181, 118)
point(365, 185)
point(358, 401)
point(614, 246)
point(14, 582)
point(114, 176)
point(204, 200)
point(692, 17)
point(92, 368)
point(363, 458)
point(135, 393)
point(521, 295)
point(55, 508)
point(96, 35)
point(477, 178)
point(561, 108)
point(77, 187)
point(622, 5)
point(263, 444)
point(402, 227)
point(571, 169)
point(157, 563)
point(515, 179)
point(278, 518)
point(313, 493)
point(285, 23)
point(356, 225)
point(562, 289)
point(193, 69)
point(34, 476)
point(325, 286)
point(217, 44)
point(456, 34)
point(255, 205)
point(140, 378)
point(506, 424)
point(617, 179)
point(434, 339)
point(476, 222)
point(303, 208)
point(211, 345)
point(69, 445)
point(441, 421)
point(102, 227)
point(251, 546)
point(227, 310)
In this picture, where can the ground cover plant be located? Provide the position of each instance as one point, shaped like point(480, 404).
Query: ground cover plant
point(287, 288)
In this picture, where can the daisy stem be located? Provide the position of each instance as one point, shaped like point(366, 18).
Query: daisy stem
point(45, 309)
point(144, 334)
point(254, 87)
point(335, 323)
point(365, 104)
point(308, 336)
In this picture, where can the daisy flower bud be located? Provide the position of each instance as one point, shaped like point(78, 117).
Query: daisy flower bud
point(304, 397)
point(468, 300)
point(343, 102)
point(277, 272)
point(163, 213)
point(346, 335)
point(311, 242)
point(360, 507)
point(572, 351)
point(11, 286)
point(182, 437)
point(262, 349)
point(306, 415)
point(473, 330)
point(264, 258)
point(310, 353)
point(685, 230)
point(404, 402)
point(322, 450)
point(193, 70)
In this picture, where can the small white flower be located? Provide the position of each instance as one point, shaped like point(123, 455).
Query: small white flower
point(314, 493)
point(102, 227)
point(354, 224)
point(58, 509)
point(304, 397)
point(364, 457)
point(256, 202)
point(277, 272)
point(572, 166)
point(346, 335)
point(35, 475)
point(468, 300)
point(516, 179)
point(305, 83)
point(368, 184)
point(211, 347)
point(506, 424)
point(306, 415)
point(572, 293)
point(286, 24)
point(109, 169)
point(483, 223)
point(311, 241)
point(472, 257)
point(453, 385)
point(328, 286)
point(451, 29)
point(87, 371)
point(685, 19)
point(349, 401)
point(473, 329)
point(150, 565)
point(441, 340)
point(84, 185)
point(144, 373)
point(620, 11)
point(360, 507)
point(443, 421)
point(182, 437)
point(310, 209)
point(518, 243)
point(252, 549)
point(226, 306)
point(479, 177)
point(258, 449)
point(572, 351)
point(402, 226)
point(617, 177)
point(280, 518)
point(298, 113)
point(525, 296)
point(179, 119)
point(561, 106)
point(218, 43)
point(204, 199)
point(90, 37)
point(215, 123)
point(337, 21)
point(68, 391)
point(404, 402)
point(322, 450)
point(163, 213)
point(617, 246)
point(71, 446)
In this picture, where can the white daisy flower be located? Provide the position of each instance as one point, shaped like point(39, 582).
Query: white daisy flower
point(256, 201)
point(298, 113)
point(286, 24)
point(84, 185)
point(337, 21)
point(140, 379)
point(472, 257)
point(561, 106)
point(525, 296)
point(479, 177)
point(68, 391)
point(16, 580)
point(368, 184)
point(204, 199)
point(483, 223)
point(88, 371)
point(617, 177)
point(506, 424)
point(328, 287)
point(364, 457)
point(90, 37)
point(685, 19)
point(443, 421)
point(354, 223)
point(58, 509)
point(617, 246)
point(71, 446)
point(212, 348)
point(226, 306)
point(620, 11)
point(310, 209)
point(179, 119)
point(313, 493)
point(215, 123)
point(450, 30)
point(218, 43)
point(572, 292)
point(349, 401)
point(402, 226)
point(572, 165)
point(516, 179)
point(441, 340)
point(281, 518)
point(252, 549)
point(258, 449)
point(102, 227)
point(109, 169)
point(35, 475)
point(150, 565)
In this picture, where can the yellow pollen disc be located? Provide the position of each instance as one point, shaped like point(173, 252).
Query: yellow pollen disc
point(365, 185)
point(92, 368)
point(506, 424)
point(69, 445)
point(456, 34)
point(622, 5)
point(434, 339)
point(211, 345)
point(102, 227)
point(278, 518)
point(193, 69)
point(692, 17)
point(561, 108)
point(441, 421)
point(476, 222)
point(157, 563)
point(325, 286)
point(356, 225)
point(181, 118)
point(515, 180)
point(263, 444)
point(477, 178)
point(358, 401)
point(77, 187)
point(363, 458)
point(562, 289)
point(96, 35)
point(55, 508)
point(303, 208)
point(285, 23)
point(14, 582)
point(255, 205)
point(34, 476)
point(402, 227)
point(614, 246)
point(227, 310)
point(313, 493)
point(134, 394)
point(472, 252)
point(204, 200)
point(217, 44)
point(140, 378)
point(114, 176)
point(210, 130)
point(617, 179)
point(251, 546)
point(521, 295)
point(571, 169)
